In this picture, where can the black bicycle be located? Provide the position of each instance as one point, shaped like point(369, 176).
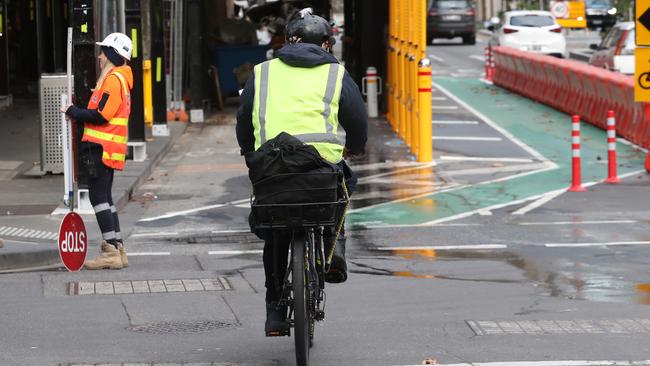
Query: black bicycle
point(303, 287)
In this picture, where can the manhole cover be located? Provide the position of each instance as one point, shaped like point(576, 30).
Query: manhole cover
point(182, 327)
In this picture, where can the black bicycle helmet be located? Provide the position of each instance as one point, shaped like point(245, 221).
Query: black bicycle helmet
point(306, 27)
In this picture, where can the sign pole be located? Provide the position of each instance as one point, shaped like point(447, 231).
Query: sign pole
point(66, 134)
point(73, 240)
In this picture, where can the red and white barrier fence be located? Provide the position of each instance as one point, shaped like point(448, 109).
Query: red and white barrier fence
point(574, 88)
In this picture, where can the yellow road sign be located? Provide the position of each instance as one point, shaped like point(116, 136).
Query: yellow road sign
point(642, 75)
point(572, 14)
point(643, 22)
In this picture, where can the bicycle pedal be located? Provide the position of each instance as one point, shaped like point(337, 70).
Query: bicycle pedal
point(279, 333)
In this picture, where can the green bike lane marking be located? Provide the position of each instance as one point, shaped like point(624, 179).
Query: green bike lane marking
point(544, 129)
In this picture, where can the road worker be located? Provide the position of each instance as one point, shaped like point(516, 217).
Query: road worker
point(103, 147)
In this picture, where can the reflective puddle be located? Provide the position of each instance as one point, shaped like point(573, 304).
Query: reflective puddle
point(584, 279)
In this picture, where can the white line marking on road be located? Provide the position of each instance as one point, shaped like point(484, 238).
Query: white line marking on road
point(595, 222)
point(445, 247)
point(360, 209)
point(144, 254)
point(3, 229)
point(193, 210)
point(434, 57)
point(20, 232)
point(466, 138)
point(30, 233)
point(374, 176)
point(12, 231)
point(231, 231)
point(477, 57)
point(547, 197)
point(492, 124)
point(440, 122)
point(235, 252)
point(471, 158)
point(164, 233)
point(438, 98)
point(450, 107)
point(549, 363)
point(603, 244)
point(626, 142)
point(386, 165)
point(21, 241)
point(485, 213)
point(492, 170)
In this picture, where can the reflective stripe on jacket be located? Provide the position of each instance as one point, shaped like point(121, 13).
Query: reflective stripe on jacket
point(304, 102)
point(112, 135)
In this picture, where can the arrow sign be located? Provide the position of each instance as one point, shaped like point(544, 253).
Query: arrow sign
point(644, 19)
point(643, 23)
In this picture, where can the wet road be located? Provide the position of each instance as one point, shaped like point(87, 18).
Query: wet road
point(522, 273)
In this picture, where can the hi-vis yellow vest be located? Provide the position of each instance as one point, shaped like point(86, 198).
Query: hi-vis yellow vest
point(112, 136)
point(303, 102)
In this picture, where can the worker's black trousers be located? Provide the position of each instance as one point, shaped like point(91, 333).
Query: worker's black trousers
point(100, 183)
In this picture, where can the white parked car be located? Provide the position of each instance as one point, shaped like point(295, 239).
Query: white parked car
point(531, 30)
point(616, 51)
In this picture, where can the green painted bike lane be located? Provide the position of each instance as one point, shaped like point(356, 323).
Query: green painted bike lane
point(544, 129)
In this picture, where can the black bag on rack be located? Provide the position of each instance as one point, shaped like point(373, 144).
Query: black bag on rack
point(286, 170)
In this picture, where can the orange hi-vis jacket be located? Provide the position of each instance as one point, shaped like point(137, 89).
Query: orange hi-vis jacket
point(112, 100)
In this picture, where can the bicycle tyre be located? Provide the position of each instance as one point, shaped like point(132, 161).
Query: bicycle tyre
point(301, 311)
point(644, 80)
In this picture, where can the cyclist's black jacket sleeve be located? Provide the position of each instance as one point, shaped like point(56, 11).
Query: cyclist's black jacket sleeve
point(352, 116)
point(244, 128)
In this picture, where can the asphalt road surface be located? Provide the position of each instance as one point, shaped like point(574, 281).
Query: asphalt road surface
point(443, 266)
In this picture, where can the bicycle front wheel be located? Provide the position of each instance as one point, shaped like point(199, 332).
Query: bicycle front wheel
point(302, 314)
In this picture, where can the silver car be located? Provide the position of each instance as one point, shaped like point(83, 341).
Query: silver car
point(616, 51)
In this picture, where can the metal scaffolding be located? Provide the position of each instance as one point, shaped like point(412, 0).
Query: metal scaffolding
point(173, 33)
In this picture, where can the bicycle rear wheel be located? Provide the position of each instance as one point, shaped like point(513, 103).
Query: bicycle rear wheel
point(301, 312)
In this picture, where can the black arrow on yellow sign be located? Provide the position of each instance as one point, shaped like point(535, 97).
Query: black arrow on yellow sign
point(645, 19)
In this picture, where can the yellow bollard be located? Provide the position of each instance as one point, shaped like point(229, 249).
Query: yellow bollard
point(147, 93)
point(409, 99)
point(424, 106)
point(415, 135)
point(402, 91)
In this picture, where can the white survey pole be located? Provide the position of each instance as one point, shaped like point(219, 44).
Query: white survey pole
point(371, 90)
point(66, 135)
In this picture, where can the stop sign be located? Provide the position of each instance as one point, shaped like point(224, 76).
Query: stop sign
point(73, 241)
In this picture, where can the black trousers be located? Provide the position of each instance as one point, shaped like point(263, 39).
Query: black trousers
point(100, 184)
point(276, 246)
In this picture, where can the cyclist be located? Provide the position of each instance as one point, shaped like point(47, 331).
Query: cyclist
point(306, 93)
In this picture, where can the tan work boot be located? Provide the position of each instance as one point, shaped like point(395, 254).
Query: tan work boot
point(125, 259)
point(108, 259)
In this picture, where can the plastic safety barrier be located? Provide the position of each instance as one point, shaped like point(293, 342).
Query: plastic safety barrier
point(574, 88)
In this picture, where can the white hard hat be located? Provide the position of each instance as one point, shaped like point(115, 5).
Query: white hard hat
point(120, 42)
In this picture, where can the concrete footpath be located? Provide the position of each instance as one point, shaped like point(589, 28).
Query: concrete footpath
point(28, 197)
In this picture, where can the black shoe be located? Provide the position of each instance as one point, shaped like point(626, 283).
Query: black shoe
point(276, 320)
point(338, 271)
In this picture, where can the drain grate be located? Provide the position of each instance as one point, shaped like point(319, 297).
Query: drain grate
point(576, 326)
point(148, 286)
point(182, 327)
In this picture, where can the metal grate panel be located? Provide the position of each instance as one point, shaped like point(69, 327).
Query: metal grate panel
point(51, 87)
